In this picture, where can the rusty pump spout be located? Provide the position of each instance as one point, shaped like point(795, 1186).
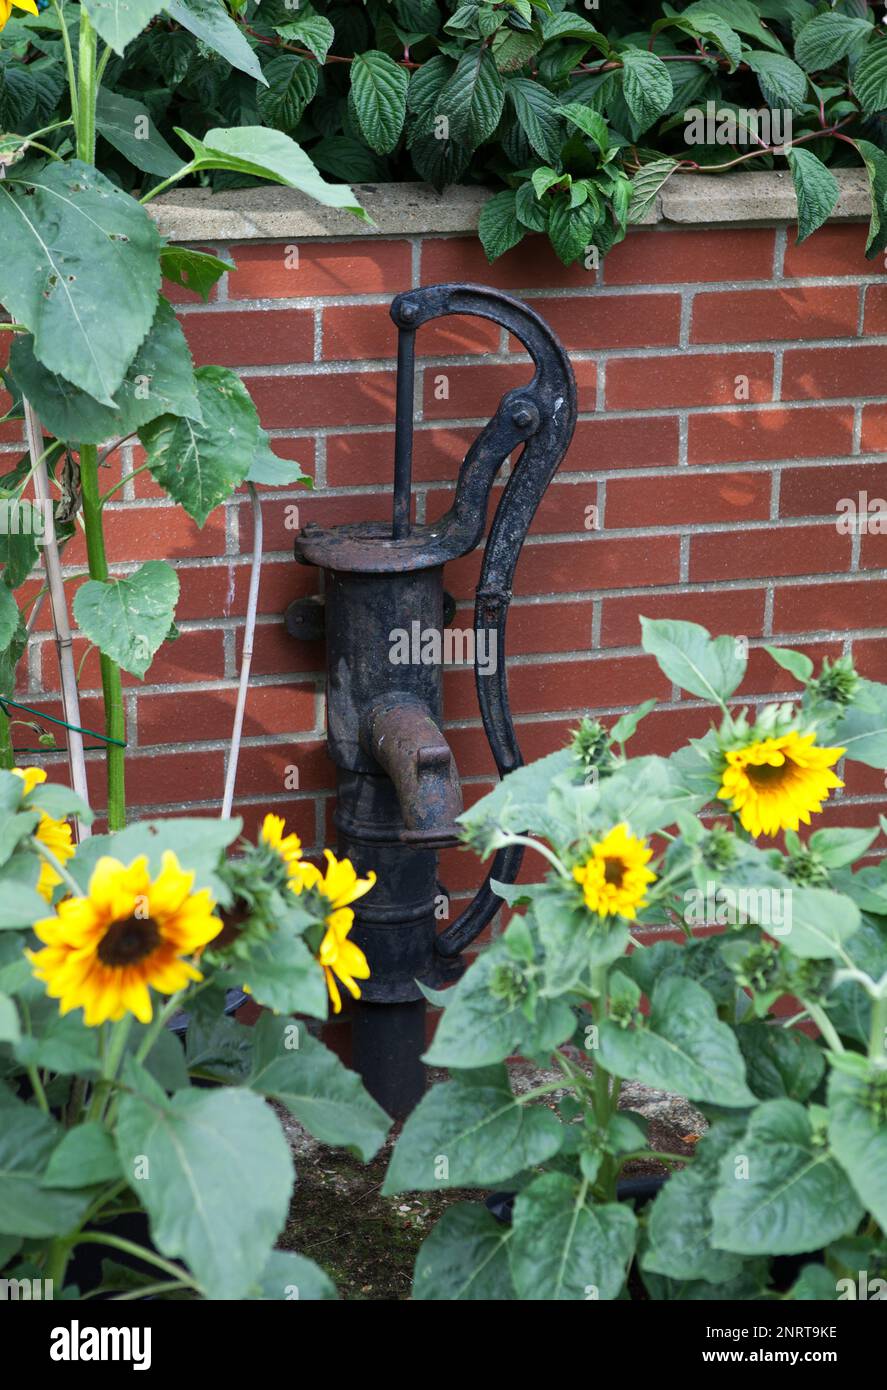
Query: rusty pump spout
point(398, 793)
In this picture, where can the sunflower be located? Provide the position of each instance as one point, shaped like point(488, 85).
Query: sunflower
point(338, 956)
point(54, 834)
point(614, 877)
point(289, 850)
point(775, 783)
point(7, 5)
point(103, 951)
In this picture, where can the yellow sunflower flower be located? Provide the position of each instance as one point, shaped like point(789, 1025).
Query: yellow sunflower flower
point(103, 951)
point(6, 7)
point(614, 877)
point(289, 848)
point(54, 834)
point(775, 783)
point(338, 956)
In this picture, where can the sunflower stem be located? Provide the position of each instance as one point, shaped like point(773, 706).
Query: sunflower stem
point(110, 1065)
point(878, 1032)
point(824, 1024)
point(7, 756)
point(87, 88)
point(129, 1247)
point(39, 1092)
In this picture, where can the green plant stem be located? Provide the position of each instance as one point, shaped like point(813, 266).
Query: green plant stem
point(87, 88)
point(878, 1031)
point(112, 689)
point(69, 64)
point(7, 756)
point(824, 1024)
point(57, 1263)
point(129, 1247)
point(37, 1084)
point(165, 1286)
point(115, 487)
point(168, 183)
point(110, 1064)
point(45, 853)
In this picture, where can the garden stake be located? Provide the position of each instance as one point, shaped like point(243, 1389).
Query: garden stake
point(246, 659)
point(63, 640)
point(398, 787)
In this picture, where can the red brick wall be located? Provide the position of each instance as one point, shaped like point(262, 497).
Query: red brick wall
point(712, 508)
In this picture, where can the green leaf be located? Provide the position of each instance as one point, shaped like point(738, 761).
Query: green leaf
point(193, 270)
point(862, 730)
point(128, 126)
point(566, 1249)
point(573, 26)
point(309, 30)
point(858, 1136)
point(268, 154)
point(626, 725)
point(820, 922)
point(709, 667)
point(536, 109)
point(816, 189)
point(10, 1029)
point(27, 1139)
point(498, 226)
point(209, 21)
point(118, 22)
point(815, 1283)
point(841, 845)
point(798, 663)
point(875, 161)
point(129, 618)
point(219, 1177)
point(646, 184)
point(680, 1221)
point(292, 1277)
point(483, 1133)
point(589, 121)
point(202, 462)
point(571, 230)
point(81, 244)
point(782, 82)
point(513, 49)
point(780, 1062)
point(9, 617)
point(57, 801)
point(646, 85)
point(465, 1258)
point(478, 1029)
point(282, 974)
point(379, 86)
point(292, 1067)
point(271, 471)
point(870, 78)
point(292, 83)
point(828, 38)
point(59, 1042)
point(472, 99)
point(85, 1156)
point(574, 940)
point(779, 1192)
point(160, 380)
point(198, 841)
point(684, 1047)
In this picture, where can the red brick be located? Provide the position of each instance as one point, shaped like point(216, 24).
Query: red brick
point(531, 265)
point(598, 562)
point(567, 685)
point(735, 611)
point(817, 491)
point(687, 497)
point(342, 398)
point(162, 778)
point(860, 780)
point(535, 738)
point(874, 429)
point(355, 460)
point(298, 816)
point(665, 731)
point(349, 267)
point(355, 332)
point(283, 518)
point(612, 321)
point(692, 257)
point(753, 554)
point(747, 316)
point(752, 436)
point(833, 251)
point(564, 507)
point(875, 321)
point(275, 652)
point(873, 551)
point(193, 656)
point(764, 677)
point(251, 337)
point(821, 607)
point(870, 658)
point(818, 373)
point(475, 391)
point(561, 626)
point(263, 771)
point(208, 714)
point(153, 533)
point(632, 442)
point(648, 383)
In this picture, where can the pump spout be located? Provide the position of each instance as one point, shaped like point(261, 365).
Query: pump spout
point(405, 740)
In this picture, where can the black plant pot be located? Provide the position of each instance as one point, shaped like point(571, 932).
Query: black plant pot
point(641, 1190)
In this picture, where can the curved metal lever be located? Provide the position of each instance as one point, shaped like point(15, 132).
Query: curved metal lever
point(542, 415)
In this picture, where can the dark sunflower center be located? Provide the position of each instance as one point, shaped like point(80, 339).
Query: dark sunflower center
point(129, 941)
point(767, 776)
point(613, 872)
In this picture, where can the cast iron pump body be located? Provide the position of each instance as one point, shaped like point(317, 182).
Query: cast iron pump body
point(398, 791)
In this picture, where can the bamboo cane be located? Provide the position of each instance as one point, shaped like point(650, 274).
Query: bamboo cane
point(247, 657)
point(62, 629)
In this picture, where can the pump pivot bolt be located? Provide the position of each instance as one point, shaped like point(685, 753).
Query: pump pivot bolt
point(408, 313)
point(522, 417)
